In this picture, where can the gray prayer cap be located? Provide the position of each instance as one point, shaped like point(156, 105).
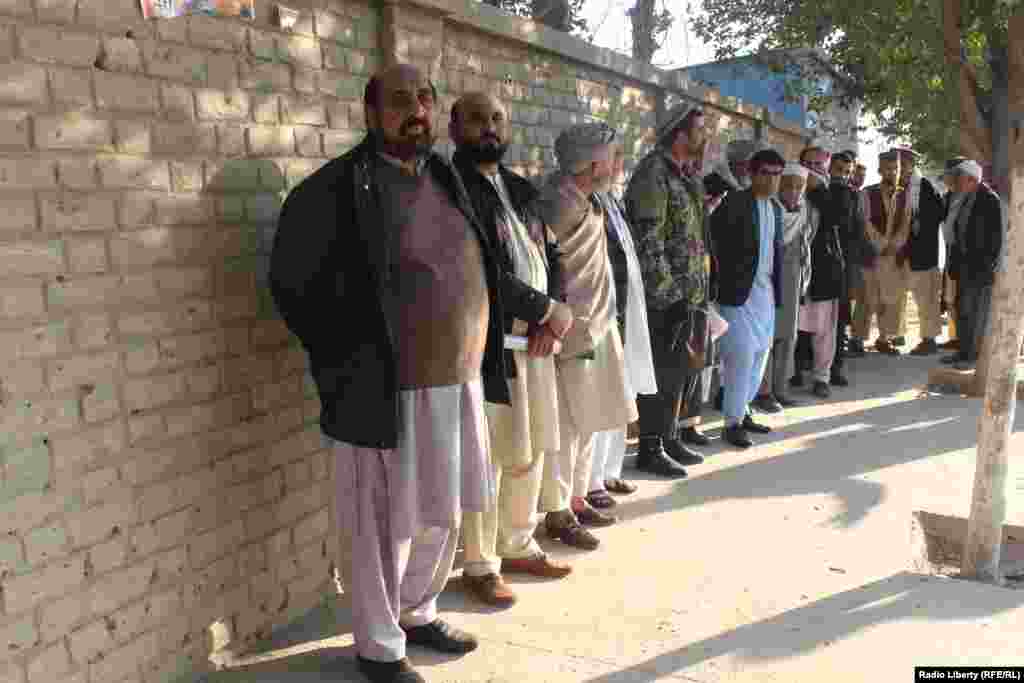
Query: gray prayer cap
point(673, 119)
point(740, 150)
point(582, 144)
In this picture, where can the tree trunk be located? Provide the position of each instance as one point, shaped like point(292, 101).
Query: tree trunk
point(642, 17)
point(983, 546)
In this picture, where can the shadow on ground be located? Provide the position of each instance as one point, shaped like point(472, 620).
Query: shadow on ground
point(898, 597)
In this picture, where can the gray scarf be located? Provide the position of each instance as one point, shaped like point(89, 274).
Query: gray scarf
point(966, 208)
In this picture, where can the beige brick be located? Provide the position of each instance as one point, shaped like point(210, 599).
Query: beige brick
point(150, 392)
point(126, 92)
point(88, 448)
point(338, 114)
point(265, 109)
point(143, 247)
point(32, 258)
point(56, 11)
point(102, 522)
point(100, 291)
point(216, 33)
point(105, 557)
point(50, 665)
point(93, 331)
point(45, 543)
point(72, 86)
point(73, 131)
point(6, 41)
point(76, 211)
point(71, 372)
point(230, 140)
point(56, 46)
point(128, 172)
point(146, 428)
point(213, 545)
point(160, 499)
point(320, 466)
point(137, 209)
point(265, 77)
point(222, 71)
point(178, 102)
point(169, 567)
point(14, 129)
point(126, 661)
point(173, 30)
point(162, 533)
point(100, 402)
point(312, 528)
point(26, 174)
point(24, 592)
point(22, 83)
point(302, 51)
point(217, 105)
point(331, 26)
point(132, 137)
point(18, 636)
point(303, 110)
point(183, 282)
point(184, 137)
point(190, 209)
point(19, 213)
point(307, 140)
point(271, 140)
point(88, 642)
point(120, 54)
point(35, 342)
point(21, 379)
point(208, 416)
point(175, 62)
point(103, 14)
point(191, 349)
point(338, 142)
point(185, 316)
point(27, 300)
point(142, 616)
point(186, 176)
point(77, 173)
point(87, 255)
point(120, 587)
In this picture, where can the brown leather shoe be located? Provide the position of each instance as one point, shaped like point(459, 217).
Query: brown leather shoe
point(589, 516)
point(568, 531)
point(489, 589)
point(539, 565)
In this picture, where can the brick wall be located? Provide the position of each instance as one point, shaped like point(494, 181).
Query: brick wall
point(165, 490)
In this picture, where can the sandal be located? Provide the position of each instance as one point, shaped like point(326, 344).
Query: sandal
point(620, 486)
point(600, 499)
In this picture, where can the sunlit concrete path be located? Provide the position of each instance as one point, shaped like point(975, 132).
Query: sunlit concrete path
point(788, 562)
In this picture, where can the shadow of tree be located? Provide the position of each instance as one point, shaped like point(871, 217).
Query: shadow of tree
point(898, 597)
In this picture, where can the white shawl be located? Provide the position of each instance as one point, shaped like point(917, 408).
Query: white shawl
point(914, 198)
point(639, 358)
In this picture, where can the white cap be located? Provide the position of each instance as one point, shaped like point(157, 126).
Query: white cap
point(793, 168)
point(969, 167)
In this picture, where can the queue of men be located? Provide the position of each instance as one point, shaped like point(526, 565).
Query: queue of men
point(502, 336)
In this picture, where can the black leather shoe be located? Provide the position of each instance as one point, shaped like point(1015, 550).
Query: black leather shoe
point(680, 453)
point(441, 636)
point(821, 390)
point(751, 426)
point(839, 380)
point(691, 436)
point(796, 381)
point(720, 399)
point(786, 401)
point(653, 459)
point(737, 436)
point(927, 347)
point(389, 672)
point(886, 347)
point(766, 403)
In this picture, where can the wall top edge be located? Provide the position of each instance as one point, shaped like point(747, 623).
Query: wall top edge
point(494, 21)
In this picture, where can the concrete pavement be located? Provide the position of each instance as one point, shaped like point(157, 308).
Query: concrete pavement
point(788, 562)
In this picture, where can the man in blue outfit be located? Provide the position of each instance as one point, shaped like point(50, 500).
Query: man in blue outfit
point(747, 235)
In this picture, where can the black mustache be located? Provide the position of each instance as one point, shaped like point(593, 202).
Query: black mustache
point(415, 122)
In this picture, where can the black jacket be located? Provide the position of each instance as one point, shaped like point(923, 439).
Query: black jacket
point(976, 249)
point(922, 250)
point(828, 277)
point(620, 267)
point(520, 301)
point(329, 276)
point(736, 246)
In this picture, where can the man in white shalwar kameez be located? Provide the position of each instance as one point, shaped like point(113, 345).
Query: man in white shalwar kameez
point(402, 385)
point(501, 540)
point(593, 391)
point(631, 307)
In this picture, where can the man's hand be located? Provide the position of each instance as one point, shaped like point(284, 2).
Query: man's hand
point(543, 342)
point(561, 319)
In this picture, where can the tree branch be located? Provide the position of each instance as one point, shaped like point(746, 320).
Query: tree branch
point(975, 137)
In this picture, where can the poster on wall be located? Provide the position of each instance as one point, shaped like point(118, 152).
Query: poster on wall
point(165, 9)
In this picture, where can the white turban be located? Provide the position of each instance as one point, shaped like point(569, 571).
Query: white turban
point(793, 168)
point(969, 167)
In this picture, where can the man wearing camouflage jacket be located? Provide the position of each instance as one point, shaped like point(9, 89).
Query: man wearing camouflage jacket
point(665, 203)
